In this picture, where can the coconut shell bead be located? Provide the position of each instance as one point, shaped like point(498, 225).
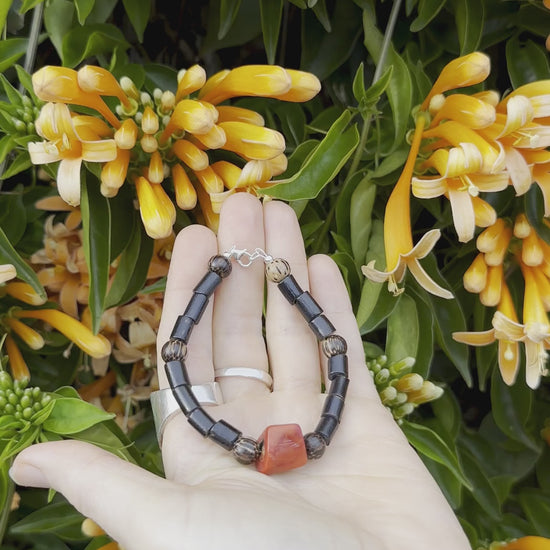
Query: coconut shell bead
point(282, 449)
point(174, 350)
point(276, 270)
point(246, 450)
point(221, 265)
point(334, 345)
point(315, 445)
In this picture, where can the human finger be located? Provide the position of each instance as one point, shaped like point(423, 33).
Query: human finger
point(193, 247)
point(329, 289)
point(238, 334)
point(116, 494)
point(291, 344)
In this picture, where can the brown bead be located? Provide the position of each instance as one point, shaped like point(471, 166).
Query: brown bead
point(334, 345)
point(220, 264)
point(315, 445)
point(276, 270)
point(246, 450)
point(282, 449)
point(174, 350)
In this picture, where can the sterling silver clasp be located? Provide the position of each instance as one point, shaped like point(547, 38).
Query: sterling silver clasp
point(245, 258)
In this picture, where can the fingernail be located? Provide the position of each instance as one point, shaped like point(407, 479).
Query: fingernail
point(27, 475)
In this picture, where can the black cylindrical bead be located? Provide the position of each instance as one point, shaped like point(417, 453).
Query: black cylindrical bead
point(337, 366)
point(321, 327)
point(208, 283)
point(196, 306)
point(186, 399)
point(339, 386)
point(176, 373)
point(224, 434)
point(220, 265)
point(201, 421)
point(334, 405)
point(182, 328)
point(326, 428)
point(315, 445)
point(307, 306)
point(290, 289)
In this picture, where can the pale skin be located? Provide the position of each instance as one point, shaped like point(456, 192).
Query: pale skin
point(368, 491)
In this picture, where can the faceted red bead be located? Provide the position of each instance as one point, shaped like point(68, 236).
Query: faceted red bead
point(283, 449)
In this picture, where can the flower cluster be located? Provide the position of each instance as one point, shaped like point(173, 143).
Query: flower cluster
point(400, 389)
point(465, 145)
point(152, 139)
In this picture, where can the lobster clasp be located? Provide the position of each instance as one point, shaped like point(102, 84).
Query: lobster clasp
point(245, 258)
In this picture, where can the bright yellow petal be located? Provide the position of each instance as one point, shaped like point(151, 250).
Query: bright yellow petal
point(190, 154)
point(542, 177)
point(304, 86)
point(425, 281)
point(488, 238)
point(468, 110)
point(191, 116)
point(94, 345)
point(229, 113)
point(251, 141)
point(18, 366)
point(24, 293)
point(209, 180)
point(485, 214)
point(7, 272)
point(113, 173)
point(43, 152)
point(228, 172)
point(31, 337)
point(520, 172)
point(249, 80)
point(186, 196)
point(99, 151)
point(464, 71)
point(126, 136)
point(527, 543)
point(190, 81)
point(68, 180)
point(535, 361)
point(475, 277)
point(156, 220)
point(481, 338)
point(101, 81)
point(463, 214)
point(497, 254)
point(428, 188)
point(508, 360)
point(491, 294)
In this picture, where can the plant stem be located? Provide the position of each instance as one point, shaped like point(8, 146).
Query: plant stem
point(388, 34)
point(6, 509)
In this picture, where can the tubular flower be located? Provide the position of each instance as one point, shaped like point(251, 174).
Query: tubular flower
point(508, 347)
point(523, 543)
point(400, 252)
point(92, 344)
point(148, 135)
point(67, 145)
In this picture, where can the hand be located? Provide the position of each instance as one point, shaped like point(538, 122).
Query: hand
point(368, 491)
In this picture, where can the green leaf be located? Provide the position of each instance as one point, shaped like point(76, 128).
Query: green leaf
point(83, 9)
point(373, 93)
point(14, 97)
point(470, 18)
point(21, 162)
point(271, 13)
point(352, 277)
point(512, 408)
point(358, 86)
point(343, 206)
point(138, 13)
point(91, 40)
point(8, 255)
point(536, 506)
point(429, 443)
point(361, 205)
point(11, 49)
point(427, 10)
point(450, 486)
point(28, 5)
point(526, 61)
point(400, 90)
point(96, 226)
point(321, 166)
point(534, 210)
point(131, 272)
point(13, 216)
point(58, 21)
point(403, 330)
point(323, 52)
point(425, 350)
point(7, 143)
point(228, 13)
point(4, 9)
point(320, 10)
point(59, 518)
point(70, 416)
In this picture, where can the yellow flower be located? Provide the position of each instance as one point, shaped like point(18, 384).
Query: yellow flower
point(60, 85)
point(508, 347)
point(460, 72)
point(31, 337)
point(92, 344)
point(398, 243)
point(157, 217)
point(525, 543)
point(66, 145)
point(18, 366)
point(24, 293)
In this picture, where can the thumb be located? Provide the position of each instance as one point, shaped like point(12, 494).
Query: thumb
point(116, 494)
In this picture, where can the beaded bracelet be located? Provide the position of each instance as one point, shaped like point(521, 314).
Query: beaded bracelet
point(280, 447)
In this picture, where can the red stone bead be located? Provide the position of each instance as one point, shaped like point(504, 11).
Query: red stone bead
point(283, 449)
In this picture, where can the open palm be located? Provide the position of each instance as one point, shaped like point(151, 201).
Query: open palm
point(369, 490)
